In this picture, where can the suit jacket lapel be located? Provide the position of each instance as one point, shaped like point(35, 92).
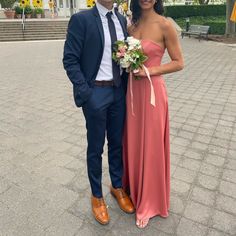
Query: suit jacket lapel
point(99, 24)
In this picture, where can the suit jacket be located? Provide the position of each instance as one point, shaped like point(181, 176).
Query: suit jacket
point(83, 51)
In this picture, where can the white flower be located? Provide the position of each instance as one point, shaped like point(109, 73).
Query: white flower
point(133, 43)
point(124, 64)
point(126, 61)
point(127, 57)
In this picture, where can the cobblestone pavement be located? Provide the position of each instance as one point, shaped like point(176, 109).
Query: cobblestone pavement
point(44, 188)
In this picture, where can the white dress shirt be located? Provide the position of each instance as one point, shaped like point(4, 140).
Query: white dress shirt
point(105, 70)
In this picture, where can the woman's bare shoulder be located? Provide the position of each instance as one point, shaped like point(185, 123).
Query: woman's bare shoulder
point(164, 23)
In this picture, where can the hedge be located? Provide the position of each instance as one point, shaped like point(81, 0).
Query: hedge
point(217, 24)
point(195, 10)
point(216, 27)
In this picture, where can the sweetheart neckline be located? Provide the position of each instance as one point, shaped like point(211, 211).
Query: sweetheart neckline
point(157, 44)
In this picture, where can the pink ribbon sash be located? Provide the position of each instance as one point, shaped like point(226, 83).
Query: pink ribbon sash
point(152, 97)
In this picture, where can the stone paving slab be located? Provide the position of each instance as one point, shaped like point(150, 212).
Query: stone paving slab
point(44, 188)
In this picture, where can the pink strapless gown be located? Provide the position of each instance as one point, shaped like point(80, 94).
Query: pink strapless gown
point(146, 152)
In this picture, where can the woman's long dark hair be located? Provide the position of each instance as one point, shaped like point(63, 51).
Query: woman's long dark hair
point(137, 11)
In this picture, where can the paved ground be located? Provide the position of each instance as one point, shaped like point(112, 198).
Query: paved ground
point(43, 182)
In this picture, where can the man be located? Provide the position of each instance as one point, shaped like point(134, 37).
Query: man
point(98, 86)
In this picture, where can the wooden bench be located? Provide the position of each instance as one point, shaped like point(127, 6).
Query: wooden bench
point(197, 30)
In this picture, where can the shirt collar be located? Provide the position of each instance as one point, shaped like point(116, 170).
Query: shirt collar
point(103, 11)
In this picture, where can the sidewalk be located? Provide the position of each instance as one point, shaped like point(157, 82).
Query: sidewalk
point(44, 188)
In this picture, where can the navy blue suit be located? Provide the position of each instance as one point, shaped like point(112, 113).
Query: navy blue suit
point(103, 107)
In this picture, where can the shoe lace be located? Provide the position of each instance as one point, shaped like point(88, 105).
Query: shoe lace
point(122, 193)
point(101, 202)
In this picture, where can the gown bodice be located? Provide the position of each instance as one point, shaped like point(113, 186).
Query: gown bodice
point(153, 51)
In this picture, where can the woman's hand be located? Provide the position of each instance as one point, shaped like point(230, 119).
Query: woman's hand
point(139, 72)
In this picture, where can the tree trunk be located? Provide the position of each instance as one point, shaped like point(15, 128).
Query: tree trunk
point(230, 26)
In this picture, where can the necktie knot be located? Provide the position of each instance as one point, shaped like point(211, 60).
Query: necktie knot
point(109, 14)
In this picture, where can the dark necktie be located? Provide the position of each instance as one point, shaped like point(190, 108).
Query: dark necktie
point(115, 66)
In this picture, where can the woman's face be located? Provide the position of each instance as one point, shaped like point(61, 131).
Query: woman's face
point(146, 4)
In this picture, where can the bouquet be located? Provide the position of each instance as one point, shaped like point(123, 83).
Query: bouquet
point(128, 54)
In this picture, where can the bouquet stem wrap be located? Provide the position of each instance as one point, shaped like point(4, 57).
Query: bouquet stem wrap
point(152, 97)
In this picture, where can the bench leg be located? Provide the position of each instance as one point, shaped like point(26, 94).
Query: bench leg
point(199, 37)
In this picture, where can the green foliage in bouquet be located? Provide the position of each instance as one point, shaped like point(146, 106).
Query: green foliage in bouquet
point(140, 58)
point(116, 47)
point(129, 54)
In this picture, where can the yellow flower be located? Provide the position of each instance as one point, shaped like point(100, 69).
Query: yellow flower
point(24, 3)
point(51, 3)
point(90, 3)
point(125, 6)
point(38, 3)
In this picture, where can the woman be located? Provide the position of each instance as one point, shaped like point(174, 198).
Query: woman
point(146, 137)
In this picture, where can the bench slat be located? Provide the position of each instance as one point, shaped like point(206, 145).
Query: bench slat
point(200, 30)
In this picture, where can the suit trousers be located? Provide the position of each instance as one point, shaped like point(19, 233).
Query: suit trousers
point(104, 114)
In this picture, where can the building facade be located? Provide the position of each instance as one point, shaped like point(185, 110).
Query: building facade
point(65, 8)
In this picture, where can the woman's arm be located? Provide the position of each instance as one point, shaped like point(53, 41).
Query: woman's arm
point(174, 50)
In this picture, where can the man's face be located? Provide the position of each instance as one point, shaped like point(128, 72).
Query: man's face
point(105, 1)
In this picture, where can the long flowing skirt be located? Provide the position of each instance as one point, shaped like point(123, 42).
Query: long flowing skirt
point(146, 152)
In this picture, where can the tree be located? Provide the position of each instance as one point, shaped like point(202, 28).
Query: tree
point(8, 4)
point(230, 26)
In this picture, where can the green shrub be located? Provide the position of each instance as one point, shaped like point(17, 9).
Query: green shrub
point(38, 10)
point(19, 10)
point(28, 9)
point(195, 10)
point(217, 24)
point(7, 3)
point(216, 27)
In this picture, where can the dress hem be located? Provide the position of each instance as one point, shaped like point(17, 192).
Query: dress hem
point(155, 215)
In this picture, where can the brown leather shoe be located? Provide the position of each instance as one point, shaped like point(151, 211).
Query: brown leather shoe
point(99, 210)
point(123, 200)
